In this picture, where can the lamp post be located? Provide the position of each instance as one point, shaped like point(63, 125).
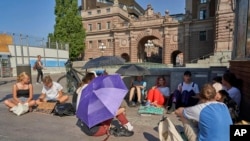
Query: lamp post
point(148, 45)
point(102, 47)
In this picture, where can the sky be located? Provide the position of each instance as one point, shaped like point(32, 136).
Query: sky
point(36, 18)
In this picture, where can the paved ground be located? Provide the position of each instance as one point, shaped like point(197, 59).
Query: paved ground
point(43, 127)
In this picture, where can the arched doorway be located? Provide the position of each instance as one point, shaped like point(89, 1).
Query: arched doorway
point(126, 57)
point(177, 58)
point(149, 50)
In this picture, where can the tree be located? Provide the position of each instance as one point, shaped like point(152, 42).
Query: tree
point(68, 27)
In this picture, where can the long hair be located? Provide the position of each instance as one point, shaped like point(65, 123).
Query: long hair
point(157, 81)
point(21, 76)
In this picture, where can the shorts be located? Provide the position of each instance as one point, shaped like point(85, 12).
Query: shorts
point(23, 99)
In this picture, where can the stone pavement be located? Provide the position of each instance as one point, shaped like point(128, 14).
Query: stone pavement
point(44, 127)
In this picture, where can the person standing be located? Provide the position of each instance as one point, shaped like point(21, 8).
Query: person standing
point(39, 67)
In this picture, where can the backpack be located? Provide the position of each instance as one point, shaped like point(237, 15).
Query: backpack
point(35, 66)
point(88, 131)
point(64, 109)
point(187, 99)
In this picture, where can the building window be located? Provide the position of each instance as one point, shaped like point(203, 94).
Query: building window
point(90, 44)
point(90, 27)
point(109, 43)
point(108, 10)
point(89, 13)
point(99, 43)
point(108, 25)
point(203, 1)
point(99, 26)
point(98, 11)
point(203, 35)
point(203, 14)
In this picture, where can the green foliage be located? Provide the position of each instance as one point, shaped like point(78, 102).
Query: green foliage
point(68, 27)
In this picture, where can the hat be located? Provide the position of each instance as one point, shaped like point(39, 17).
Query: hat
point(217, 86)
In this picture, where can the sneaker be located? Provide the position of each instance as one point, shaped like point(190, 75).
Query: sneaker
point(138, 103)
point(171, 109)
point(131, 104)
point(37, 83)
point(121, 132)
point(147, 104)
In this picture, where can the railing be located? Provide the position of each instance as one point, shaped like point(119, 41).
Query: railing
point(201, 58)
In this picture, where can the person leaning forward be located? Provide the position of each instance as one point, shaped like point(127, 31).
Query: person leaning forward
point(51, 91)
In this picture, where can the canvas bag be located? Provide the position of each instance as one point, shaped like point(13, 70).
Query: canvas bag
point(20, 109)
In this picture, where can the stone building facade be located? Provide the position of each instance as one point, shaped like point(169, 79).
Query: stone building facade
point(114, 30)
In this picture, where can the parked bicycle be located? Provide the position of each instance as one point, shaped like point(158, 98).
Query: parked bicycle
point(71, 80)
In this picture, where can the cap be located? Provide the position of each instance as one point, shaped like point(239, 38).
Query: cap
point(217, 86)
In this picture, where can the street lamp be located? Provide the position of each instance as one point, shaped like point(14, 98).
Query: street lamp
point(148, 45)
point(102, 47)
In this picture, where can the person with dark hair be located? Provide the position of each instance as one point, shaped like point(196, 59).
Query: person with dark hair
point(212, 117)
point(138, 86)
point(229, 81)
point(85, 81)
point(217, 79)
point(158, 94)
point(223, 96)
point(185, 93)
point(39, 68)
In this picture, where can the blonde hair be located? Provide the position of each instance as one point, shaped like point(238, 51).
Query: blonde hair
point(21, 76)
point(207, 92)
point(47, 79)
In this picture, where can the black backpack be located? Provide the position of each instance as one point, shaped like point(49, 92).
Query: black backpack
point(64, 109)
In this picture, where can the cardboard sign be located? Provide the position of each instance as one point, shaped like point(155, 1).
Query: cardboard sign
point(45, 107)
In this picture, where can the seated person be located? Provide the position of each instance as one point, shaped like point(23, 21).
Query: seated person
point(52, 91)
point(22, 92)
point(232, 85)
point(85, 81)
point(157, 94)
point(223, 96)
point(212, 117)
point(189, 88)
point(103, 128)
point(139, 86)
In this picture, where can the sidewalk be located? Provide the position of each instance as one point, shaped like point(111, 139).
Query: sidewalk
point(43, 127)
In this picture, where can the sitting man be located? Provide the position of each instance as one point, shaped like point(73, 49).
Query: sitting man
point(186, 93)
point(139, 85)
point(52, 91)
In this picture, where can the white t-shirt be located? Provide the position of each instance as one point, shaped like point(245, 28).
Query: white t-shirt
point(235, 94)
point(164, 91)
point(79, 94)
point(52, 93)
point(189, 87)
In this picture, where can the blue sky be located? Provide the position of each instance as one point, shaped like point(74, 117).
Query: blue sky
point(36, 17)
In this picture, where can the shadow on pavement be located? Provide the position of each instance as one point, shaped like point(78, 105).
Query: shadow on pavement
point(150, 137)
point(5, 82)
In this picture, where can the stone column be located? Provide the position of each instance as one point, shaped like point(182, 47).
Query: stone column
point(186, 42)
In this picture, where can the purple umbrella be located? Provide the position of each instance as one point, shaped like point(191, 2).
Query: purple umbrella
point(101, 99)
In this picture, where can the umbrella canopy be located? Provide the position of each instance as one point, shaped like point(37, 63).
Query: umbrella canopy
point(133, 70)
point(101, 99)
point(104, 61)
